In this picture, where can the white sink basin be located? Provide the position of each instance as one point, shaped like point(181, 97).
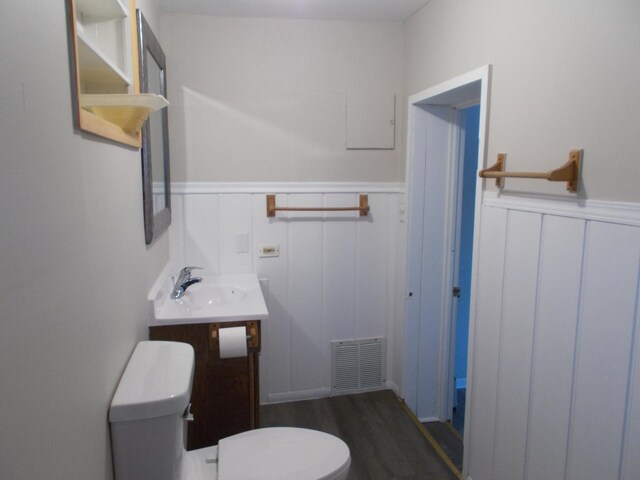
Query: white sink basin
point(218, 298)
point(202, 295)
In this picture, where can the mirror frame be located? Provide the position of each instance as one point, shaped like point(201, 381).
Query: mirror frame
point(154, 223)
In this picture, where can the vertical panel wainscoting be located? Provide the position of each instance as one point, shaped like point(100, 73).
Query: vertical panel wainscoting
point(333, 280)
point(556, 350)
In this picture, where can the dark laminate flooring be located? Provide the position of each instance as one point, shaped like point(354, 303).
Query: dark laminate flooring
point(385, 444)
point(449, 440)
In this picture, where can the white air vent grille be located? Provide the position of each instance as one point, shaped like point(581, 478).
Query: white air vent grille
point(358, 365)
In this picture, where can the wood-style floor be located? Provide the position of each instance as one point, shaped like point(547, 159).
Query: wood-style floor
point(449, 435)
point(449, 440)
point(385, 444)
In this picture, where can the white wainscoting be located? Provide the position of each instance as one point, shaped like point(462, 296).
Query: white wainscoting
point(335, 277)
point(555, 388)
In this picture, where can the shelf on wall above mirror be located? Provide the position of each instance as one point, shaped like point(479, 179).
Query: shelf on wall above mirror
point(98, 71)
point(127, 111)
point(102, 8)
point(104, 60)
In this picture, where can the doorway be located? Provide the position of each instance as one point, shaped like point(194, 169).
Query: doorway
point(435, 144)
point(470, 118)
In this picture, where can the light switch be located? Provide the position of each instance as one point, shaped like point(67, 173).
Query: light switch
point(242, 243)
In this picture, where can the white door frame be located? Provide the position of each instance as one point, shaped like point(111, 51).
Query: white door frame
point(432, 143)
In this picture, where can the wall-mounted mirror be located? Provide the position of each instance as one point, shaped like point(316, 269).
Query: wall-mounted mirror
point(155, 135)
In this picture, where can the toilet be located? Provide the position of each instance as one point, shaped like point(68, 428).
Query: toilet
point(149, 415)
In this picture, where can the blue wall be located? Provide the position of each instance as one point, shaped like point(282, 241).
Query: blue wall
point(471, 127)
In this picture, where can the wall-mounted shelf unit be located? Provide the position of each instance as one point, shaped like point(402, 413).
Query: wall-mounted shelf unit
point(99, 73)
point(104, 8)
point(104, 60)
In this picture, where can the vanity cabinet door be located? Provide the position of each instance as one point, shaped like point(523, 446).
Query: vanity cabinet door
point(224, 397)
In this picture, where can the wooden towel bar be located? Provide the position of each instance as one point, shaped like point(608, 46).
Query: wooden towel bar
point(569, 172)
point(272, 209)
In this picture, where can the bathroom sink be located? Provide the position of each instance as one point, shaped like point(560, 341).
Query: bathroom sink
point(202, 294)
point(218, 298)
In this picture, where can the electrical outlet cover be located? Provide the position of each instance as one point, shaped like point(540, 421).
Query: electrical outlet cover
point(270, 251)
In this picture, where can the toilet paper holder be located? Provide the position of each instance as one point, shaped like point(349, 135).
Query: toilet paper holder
point(253, 334)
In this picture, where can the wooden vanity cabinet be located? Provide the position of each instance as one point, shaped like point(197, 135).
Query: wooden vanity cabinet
point(225, 395)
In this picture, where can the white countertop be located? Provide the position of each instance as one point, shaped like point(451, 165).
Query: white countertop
point(218, 298)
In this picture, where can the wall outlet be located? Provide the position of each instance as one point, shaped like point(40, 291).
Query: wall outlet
point(402, 212)
point(270, 251)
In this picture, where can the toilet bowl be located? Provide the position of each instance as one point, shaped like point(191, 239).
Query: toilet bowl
point(149, 415)
point(272, 454)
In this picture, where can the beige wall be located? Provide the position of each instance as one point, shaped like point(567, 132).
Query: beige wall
point(152, 15)
point(565, 75)
point(74, 269)
point(264, 99)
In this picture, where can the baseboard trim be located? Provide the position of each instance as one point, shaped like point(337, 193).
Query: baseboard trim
point(393, 386)
point(285, 397)
point(429, 419)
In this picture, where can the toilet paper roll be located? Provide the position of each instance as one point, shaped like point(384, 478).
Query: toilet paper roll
point(233, 342)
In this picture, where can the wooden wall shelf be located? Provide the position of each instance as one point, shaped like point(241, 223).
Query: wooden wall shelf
point(103, 55)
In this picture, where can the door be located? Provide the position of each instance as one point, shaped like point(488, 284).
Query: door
point(433, 152)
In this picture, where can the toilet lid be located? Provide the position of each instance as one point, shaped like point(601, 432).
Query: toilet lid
point(281, 454)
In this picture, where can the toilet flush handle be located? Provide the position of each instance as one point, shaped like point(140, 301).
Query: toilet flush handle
point(188, 416)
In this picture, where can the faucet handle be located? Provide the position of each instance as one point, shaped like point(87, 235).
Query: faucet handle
point(190, 269)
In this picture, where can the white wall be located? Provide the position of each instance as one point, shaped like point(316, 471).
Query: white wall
point(264, 99)
point(335, 278)
point(556, 351)
point(74, 267)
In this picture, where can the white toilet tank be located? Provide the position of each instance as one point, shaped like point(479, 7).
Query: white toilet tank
point(148, 410)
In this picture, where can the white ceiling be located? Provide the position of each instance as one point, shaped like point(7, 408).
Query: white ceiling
point(358, 10)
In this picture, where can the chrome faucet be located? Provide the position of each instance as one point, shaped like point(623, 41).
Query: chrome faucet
point(184, 281)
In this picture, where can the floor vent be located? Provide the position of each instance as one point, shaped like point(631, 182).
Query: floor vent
point(358, 365)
